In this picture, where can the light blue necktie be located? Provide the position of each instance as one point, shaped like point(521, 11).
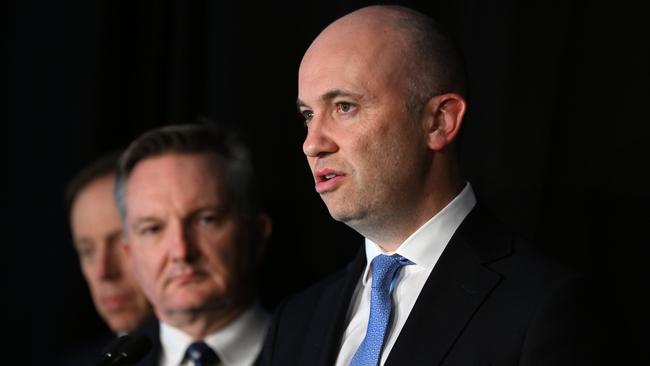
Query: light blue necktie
point(384, 273)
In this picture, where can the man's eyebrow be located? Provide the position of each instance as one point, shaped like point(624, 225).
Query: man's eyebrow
point(331, 94)
point(80, 241)
point(144, 219)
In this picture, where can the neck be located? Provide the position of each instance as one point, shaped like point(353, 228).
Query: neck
point(200, 323)
point(393, 229)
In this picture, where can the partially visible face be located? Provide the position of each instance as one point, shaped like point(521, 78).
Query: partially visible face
point(367, 153)
point(189, 245)
point(97, 233)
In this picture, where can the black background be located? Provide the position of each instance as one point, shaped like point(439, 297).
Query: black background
point(555, 143)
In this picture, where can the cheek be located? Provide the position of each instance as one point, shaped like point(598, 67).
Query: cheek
point(371, 154)
point(223, 262)
point(89, 271)
point(93, 285)
point(129, 273)
point(227, 259)
point(358, 148)
point(311, 162)
point(374, 138)
point(86, 270)
point(144, 268)
point(397, 143)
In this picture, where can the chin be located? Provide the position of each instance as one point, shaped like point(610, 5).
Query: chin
point(123, 326)
point(188, 302)
point(195, 302)
point(181, 301)
point(343, 217)
point(346, 215)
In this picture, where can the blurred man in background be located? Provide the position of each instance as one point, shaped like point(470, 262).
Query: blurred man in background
point(97, 236)
point(196, 236)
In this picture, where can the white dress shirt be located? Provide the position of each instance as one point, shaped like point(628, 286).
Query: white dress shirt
point(237, 344)
point(423, 248)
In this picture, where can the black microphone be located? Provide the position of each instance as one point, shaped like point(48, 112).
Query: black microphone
point(125, 351)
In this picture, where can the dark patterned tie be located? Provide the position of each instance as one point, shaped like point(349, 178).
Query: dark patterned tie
point(201, 354)
point(384, 272)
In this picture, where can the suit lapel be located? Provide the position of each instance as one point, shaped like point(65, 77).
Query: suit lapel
point(327, 328)
point(453, 292)
point(151, 329)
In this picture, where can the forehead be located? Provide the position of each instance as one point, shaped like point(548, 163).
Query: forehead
point(94, 208)
point(98, 190)
point(177, 179)
point(354, 57)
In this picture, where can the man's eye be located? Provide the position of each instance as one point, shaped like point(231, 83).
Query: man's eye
point(149, 229)
point(344, 107)
point(207, 219)
point(85, 253)
point(307, 115)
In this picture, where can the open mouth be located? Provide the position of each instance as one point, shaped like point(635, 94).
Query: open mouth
point(327, 179)
point(324, 178)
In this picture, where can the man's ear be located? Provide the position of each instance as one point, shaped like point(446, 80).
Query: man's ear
point(444, 115)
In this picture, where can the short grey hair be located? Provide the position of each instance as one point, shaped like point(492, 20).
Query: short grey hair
point(194, 138)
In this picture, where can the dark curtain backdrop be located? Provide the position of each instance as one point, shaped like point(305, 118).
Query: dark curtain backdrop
point(555, 143)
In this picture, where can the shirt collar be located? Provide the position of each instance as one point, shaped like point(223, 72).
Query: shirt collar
point(174, 343)
point(426, 244)
point(238, 343)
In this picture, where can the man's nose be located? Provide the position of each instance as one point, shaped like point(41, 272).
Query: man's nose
point(108, 263)
point(319, 140)
point(179, 243)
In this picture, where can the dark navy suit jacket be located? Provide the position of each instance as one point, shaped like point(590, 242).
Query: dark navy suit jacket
point(151, 329)
point(492, 299)
point(89, 352)
point(92, 352)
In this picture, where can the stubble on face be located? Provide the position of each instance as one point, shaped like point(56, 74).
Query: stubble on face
point(383, 149)
point(187, 262)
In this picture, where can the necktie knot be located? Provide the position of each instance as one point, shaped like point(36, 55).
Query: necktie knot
point(201, 354)
point(384, 269)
